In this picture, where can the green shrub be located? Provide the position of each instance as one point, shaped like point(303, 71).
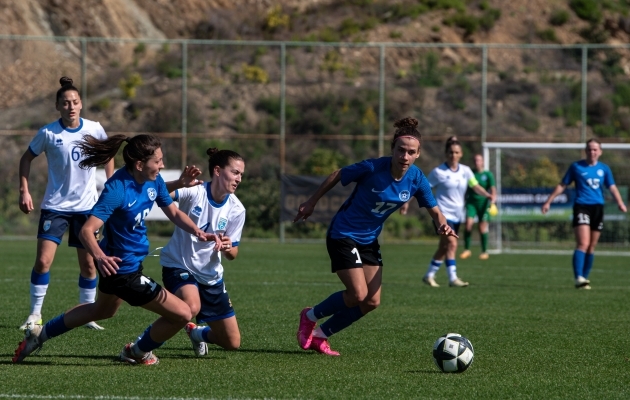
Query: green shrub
point(429, 71)
point(621, 96)
point(128, 85)
point(349, 27)
point(588, 10)
point(254, 73)
point(559, 17)
point(101, 104)
point(169, 69)
point(548, 35)
point(276, 19)
point(395, 34)
point(322, 162)
point(489, 17)
point(469, 23)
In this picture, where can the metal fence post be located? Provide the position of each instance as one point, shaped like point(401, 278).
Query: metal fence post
point(484, 94)
point(381, 103)
point(584, 92)
point(282, 155)
point(84, 71)
point(184, 103)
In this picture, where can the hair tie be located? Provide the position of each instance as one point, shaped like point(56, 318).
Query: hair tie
point(127, 139)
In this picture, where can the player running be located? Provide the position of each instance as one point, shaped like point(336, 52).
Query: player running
point(590, 177)
point(478, 206)
point(382, 186)
point(192, 270)
point(450, 182)
point(69, 197)
point(124, 204)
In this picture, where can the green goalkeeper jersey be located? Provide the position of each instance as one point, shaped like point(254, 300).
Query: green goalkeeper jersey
point(486, 181)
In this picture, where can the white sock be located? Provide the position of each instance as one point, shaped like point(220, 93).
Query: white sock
point(452, 272)
point(310, 314)
point(136, 352)
point(319, 333)
point(434, 267)
point(87, 295)
point(38, 292)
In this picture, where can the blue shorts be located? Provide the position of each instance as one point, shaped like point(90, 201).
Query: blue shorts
point(53, 225)
point(215, 301)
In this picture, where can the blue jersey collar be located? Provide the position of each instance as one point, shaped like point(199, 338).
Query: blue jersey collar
point(212, 202)
point(72, 130)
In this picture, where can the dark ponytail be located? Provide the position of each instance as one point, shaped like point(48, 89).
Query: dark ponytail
point(220, 158)
point(100, 152)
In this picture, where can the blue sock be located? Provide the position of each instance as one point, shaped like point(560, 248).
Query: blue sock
point(341, 320)
point(40, 279)
point(332, 305)
point(578, 263)
point(147, 344)
point(204, 334)
point(588, 264)
point(56, 327)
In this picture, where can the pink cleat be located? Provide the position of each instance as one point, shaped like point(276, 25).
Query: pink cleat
point(305, 331)
point(321, 345)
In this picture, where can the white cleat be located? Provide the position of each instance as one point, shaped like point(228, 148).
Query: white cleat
point(93, 325)
point(430, 281)
point(31, 343)
point(200, 348)
point(33, 319)
point(581, 283)
point(458, 283)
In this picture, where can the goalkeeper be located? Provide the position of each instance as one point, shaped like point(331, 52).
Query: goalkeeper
point(480, 207)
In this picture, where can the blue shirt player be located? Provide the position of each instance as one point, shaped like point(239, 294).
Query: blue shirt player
point(382, 186)
point(590, 177)
point(124, 204)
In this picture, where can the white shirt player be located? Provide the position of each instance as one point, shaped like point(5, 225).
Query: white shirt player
point(450, 189)
point(186, 251)
point(69, 188)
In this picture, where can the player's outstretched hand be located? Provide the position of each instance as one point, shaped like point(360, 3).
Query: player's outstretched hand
point(26, 203)
point(189, 175)
point(623, 208)
point(445, 230)
point(108, 265)
point(304, 211)
point(545, 208)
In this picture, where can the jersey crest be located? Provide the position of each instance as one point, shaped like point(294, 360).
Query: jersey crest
point(222, 224)
point(152, 193)
point(404, 195)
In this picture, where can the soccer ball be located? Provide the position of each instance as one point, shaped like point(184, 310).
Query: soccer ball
point(453, 353)
point(493, 210)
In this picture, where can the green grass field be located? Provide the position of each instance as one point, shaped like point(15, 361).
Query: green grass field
point(535, 336)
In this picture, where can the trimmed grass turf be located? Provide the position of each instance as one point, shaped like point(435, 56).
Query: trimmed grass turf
point(535, 336)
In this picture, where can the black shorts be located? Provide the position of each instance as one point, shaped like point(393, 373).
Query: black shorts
point(135, 288)
point(53, 224)
point(347, 254)
point(589, 214)
point(215, 300)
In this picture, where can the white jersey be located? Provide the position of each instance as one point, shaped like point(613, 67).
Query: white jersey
point(69, 188)
point(450, 189)
point(185, 251)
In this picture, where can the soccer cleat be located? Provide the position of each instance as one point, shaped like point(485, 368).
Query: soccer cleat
point(34, 319)
point(465, 254)
point(321, 345)
point(94, 325)
point(126, 355)
point(430, 281)
point(305, 330)
point(458, 283)
point(580, 282)
point(484, 256)
point(584, 287)
point(31, 343)
point(200, 348)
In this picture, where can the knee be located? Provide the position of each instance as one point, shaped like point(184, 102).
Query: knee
point(194, 309)
point(233, 343)
point(182, 316)
point(42, 264)
point(370, 305)
point(354, 298)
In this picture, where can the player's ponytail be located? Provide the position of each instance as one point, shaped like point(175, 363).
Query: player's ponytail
point(220, 158)
point(406, 127)
point(66, 85)
point(100, 152)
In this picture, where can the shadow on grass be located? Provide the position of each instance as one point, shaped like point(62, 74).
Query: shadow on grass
point(423, 371)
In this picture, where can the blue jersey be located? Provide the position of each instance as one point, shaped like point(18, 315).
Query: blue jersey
point(123, 206)
point(589, 181)
point(375, 197)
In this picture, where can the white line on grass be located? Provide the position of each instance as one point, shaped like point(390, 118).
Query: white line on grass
point(61, 396)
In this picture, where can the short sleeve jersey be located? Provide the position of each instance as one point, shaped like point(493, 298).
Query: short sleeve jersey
point(486, 181)
point(69, 188)
point(375, 197)
point(123, 206)
point(590, 181)
point(186, 251)
point(450, 188)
